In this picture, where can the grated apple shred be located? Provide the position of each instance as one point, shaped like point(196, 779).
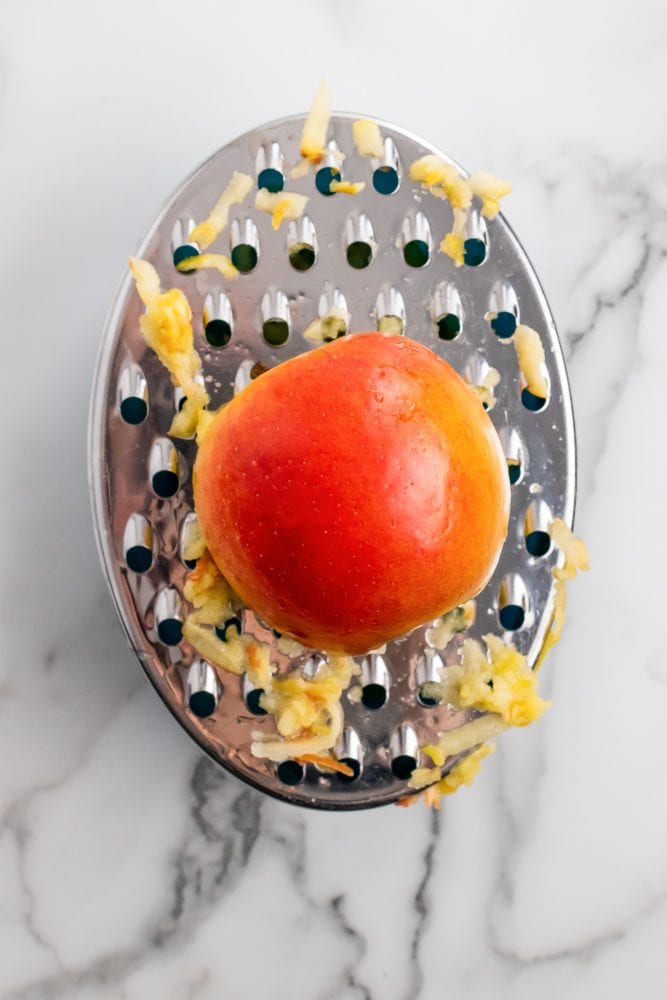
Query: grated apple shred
point(485, 390)
point(489, 189)
point(236, 192)
point(530, 356)
point(575, 559)
point(455, 621)
point(166, 326)
point(314, 135)
point(281, 205)
point(211, 262)
point(346, 187)
point(300, 170)
point(367, 138)
point(328, 327)
point(194, 544)
point(443, 180)
point(327, 763)
point(463, 772)
point(306, 710)
point(390, 324)
point(499, 684)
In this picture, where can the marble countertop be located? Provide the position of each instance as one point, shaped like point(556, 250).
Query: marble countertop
point(129, 865)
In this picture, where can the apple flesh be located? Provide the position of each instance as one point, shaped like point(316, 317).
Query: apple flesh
point(354, 492)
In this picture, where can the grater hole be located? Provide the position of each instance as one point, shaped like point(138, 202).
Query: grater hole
point(359, 254)
point(302, 256)
point(538, 543)
point(202, 689)
point(503, 314)
point(374, 696)
point(271, 179)
point(416, 240)
point(386, 179)
point(354, 766)
point(512, 603)
point(168, 617)
point(188, 524)
point(164, 468)
point(416, 253)
point(139, 559)
point(232, 627)
point(474, 251)
point(183, 252)
point(290, 772)
point(424, 698)
point(138, 544)
point(218, 332)
point(252, 700)
point(448, 326)
point(170, 631)
point(536, 527)
point(165, 483)
point(244, 243)
point(512, 617)
point(503, 325)
point(132, 394)
point(134, 410)
point(202, 704)
point(532, 402)
point(514, 471)
point(403, 766)
point(515, 454)
point(275, 332)
point(324, 178)
point(244, 257)
point(275, 317)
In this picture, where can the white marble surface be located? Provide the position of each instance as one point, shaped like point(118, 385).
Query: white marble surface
point(129, 866)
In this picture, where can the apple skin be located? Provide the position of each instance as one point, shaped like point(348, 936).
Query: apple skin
point(354, 492)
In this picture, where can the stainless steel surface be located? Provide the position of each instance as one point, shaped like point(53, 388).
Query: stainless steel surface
point(125, 457)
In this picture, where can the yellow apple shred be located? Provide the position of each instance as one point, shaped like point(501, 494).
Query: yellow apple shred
point(328, 327)
point(499, 684)
point(443, 180)
point(390, 324)
point(166, 326)
point(367, 138)
point(327, 763)
point(485, 390)
point(463, 772)
point(346, 187)
point(530, 356)
point(314, 136)
point(575, 559)
point(236, 192)
point(306, 710)
point(194, 544)
point(281, 205)
point(211, 262)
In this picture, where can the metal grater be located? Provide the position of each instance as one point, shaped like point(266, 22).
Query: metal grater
point(375, 254)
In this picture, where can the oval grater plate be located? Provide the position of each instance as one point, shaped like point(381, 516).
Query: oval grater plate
point(128, 446)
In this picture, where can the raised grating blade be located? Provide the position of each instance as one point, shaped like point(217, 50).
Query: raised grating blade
point(374, 255)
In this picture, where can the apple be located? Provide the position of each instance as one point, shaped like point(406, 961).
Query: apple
point(354, 492)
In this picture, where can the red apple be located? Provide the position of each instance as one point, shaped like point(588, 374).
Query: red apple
point(354, 492)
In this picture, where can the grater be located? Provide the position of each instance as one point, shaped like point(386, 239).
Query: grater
point(373, 255)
